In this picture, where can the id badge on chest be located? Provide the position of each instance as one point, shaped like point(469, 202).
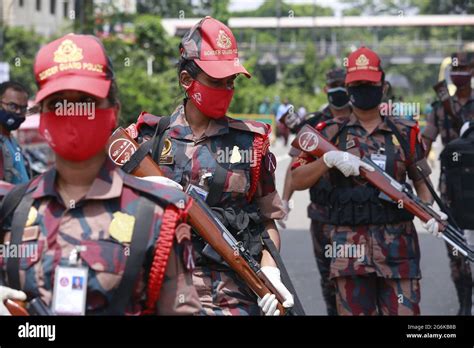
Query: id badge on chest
point(70, 288)
point(379, 159)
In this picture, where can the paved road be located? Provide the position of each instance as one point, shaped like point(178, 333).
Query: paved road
point(438, 295)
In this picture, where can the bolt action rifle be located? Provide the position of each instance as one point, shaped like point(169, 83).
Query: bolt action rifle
point(121, 149)
point(310, 141)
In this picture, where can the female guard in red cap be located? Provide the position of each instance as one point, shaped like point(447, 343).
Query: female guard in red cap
point(227, 161)
point(374, 251)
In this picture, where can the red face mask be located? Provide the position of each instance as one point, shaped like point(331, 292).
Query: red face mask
point(78, 138)
point(212, 102)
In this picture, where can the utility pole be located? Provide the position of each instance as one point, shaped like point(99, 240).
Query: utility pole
point(278, 37)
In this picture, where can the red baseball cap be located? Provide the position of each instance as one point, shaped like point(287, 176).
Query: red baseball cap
point(212, 46)
point(73, 62)
point(363, 65)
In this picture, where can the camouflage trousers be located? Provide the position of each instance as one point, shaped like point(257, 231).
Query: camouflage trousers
point(222, 292)
point(462, 279)
point(372, 295)
point(460, 268)
point(320, 234)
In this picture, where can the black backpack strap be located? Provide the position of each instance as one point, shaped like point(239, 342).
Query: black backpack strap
point(341, 128)
point(137, 157)
point(447, 126)
point(20, 217)
point(403, 142)
point(220, 175)
point(11, 201)
point(158, 138)
point(150, 144)
point(390, 153)
point(217, 187)
point(135, 260)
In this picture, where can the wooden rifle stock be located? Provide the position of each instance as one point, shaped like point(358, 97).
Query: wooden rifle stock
point(310, 141)
point(122, 147)
point(16, 308)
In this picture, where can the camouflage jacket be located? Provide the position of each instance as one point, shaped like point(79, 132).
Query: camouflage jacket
point(390, 251)
point(102, 222)
point(439, 122)
point(227, 142)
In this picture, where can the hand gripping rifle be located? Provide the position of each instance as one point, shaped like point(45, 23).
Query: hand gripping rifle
point(121, 149)
point(310, 141)
point(20, 308)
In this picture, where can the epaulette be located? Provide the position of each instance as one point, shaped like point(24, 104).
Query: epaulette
point(162, 193)
point(250, 126)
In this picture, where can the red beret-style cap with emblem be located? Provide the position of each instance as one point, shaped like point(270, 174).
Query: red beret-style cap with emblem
point(213, 47)
point(73, 62)
point(363, 65)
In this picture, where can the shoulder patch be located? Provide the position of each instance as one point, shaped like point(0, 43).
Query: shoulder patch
point(161, 193)
point(250, 126)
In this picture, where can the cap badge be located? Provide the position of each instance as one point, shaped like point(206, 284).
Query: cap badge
point(223, 40)
point(67, 52)
point(362, 60)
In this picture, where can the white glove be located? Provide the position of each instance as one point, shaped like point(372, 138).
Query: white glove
point(346, 162)
point(9, 294)
point(268, 304)
point(163, 180)
point(432, 225)
point(286, 208)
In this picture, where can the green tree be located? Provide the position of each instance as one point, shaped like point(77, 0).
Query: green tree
point(152, 38)
point(19, 51)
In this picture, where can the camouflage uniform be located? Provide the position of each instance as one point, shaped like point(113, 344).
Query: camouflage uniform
point(56, 230)
point(390, 263)
point(439, 123)
point(320, 231)
point(220, 290)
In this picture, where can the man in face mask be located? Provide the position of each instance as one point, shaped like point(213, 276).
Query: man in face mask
point(13, 104)
point(338, 107)
point(439, 122)
point(371, 277)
